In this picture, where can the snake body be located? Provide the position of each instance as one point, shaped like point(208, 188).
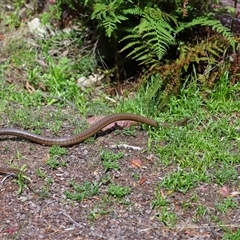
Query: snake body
point(75, 139)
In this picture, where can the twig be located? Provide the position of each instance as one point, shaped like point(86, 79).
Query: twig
point(66, 215)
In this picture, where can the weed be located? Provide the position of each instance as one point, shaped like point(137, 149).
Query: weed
point(56, 127)
point(201, 211)
point(37, 131)
point(159, 199)
point(13, 20)
point(215, 219)
point(167, 217)
point(51, 15)
point(118, 191)
point(58, 76)
point(57, 150)
point(55, 153)
point(21, 177)
point(44, 192)
point(40, 173)
point(225, 174)
point(49, 181)
point(234, 235)
point(18, 155)
point(227, 204)
point(138, 104)
point(7, 149)
point(129, 131)
point(53, 162)
point(222, 96)
point(109, 159)
point(85, 190)
point(190, 202)
point(180, 181)
point(97, 212)
point(135, 176)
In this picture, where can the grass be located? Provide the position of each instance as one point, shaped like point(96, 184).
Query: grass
point(21, 179)
point(182, 181)
point(55, 153)
point(203, 153)
point(40, 173)
point(232, 235)
point(206, 151)
point(110, 160)
point(167, 217)
point(97, 213)
point(159, 200)
point(118, 191)
point(82, 191)
point(227, 204)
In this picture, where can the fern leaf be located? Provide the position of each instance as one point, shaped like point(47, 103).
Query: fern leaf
point(214, 24)
point(134, 11)
point(154, 32)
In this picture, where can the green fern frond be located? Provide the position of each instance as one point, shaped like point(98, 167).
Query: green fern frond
point(139, 52)
point(214, 24)
point(134, 11)
point(151, 37)
point(110, 15)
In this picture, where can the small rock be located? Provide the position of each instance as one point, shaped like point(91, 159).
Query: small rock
point(36, 28)
point(93, 80)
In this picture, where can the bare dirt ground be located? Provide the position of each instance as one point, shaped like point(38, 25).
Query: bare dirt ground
point(43, 212)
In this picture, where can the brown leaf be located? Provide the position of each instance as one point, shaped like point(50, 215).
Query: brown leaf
point(136, 163)
point(224, 191)
point(142, 180)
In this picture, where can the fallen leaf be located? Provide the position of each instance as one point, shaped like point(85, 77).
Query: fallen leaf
point(136, 163)
point(224, 191)
point(142, 180)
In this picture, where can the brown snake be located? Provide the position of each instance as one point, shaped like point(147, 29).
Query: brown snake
point(72, 140)
point(69, 141)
